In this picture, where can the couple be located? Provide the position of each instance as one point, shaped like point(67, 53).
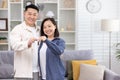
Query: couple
point(37, 51)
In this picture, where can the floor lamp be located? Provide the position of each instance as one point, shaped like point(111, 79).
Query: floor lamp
point(110, 25)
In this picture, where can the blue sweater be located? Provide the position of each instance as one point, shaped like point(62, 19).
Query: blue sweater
point(54, 67)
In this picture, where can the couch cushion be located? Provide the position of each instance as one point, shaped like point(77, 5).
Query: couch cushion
point(76, 66)
point(77, 55)
point(110, 75)
point(6, 64)
point(91, 72)
point(69, 55)
point(6, 71)
point(7, 57)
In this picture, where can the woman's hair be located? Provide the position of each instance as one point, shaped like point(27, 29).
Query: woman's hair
point(56, 33)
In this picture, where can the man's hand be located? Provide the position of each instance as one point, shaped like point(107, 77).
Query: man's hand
point(31, 40)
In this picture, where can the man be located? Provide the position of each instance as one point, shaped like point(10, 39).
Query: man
point(23, 40)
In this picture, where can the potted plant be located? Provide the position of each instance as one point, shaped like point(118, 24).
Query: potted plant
point(3, 39)
point(117, 50)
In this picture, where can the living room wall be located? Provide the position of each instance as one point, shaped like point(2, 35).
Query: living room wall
point(89, 34)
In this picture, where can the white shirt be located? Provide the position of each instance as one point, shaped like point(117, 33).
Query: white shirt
point(43, 60)
point(35, 50)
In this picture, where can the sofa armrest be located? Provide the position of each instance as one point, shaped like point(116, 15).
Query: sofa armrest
point(110, 75)
point(6, 65)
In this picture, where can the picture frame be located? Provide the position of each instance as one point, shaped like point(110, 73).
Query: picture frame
point(3, 24)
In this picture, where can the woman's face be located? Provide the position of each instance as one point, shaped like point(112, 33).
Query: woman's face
point(49, 28)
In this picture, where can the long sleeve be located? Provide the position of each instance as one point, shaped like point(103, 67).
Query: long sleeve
point(16, 41)
point(56, 47)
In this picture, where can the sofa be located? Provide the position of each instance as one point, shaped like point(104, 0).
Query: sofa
point(6, 65)
point(85, 55)
point(7, 62)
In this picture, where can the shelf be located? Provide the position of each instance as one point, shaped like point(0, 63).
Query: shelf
point(67, 8)
point(64, 11)
point(40, 20)
point(3, 31)
point(3, 44)
point(67, 31)
point(3, 8)
point(67, 24)
point(15, 2)
point(15, 20)
point(47, 1)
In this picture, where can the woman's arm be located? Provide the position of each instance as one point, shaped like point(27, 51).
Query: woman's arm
point(56, 48)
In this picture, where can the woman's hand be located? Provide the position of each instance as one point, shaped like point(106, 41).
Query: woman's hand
point(42, 38)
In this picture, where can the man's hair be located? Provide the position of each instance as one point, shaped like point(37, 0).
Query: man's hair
point(32, 6)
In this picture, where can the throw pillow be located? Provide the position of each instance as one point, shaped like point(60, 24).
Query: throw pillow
point(76, 66)
point(91, 72)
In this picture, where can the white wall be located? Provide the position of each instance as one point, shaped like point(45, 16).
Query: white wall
point(89, 34)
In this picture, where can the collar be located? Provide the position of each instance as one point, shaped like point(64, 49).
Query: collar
point(27, 27)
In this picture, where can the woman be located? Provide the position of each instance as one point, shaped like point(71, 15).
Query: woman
point(50, 49)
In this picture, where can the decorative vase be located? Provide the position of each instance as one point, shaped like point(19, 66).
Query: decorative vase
point(4, 4)
point(62, 29)
point(69, 27)
point(68, 3)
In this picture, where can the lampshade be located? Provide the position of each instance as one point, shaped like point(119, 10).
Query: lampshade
point(110, 25)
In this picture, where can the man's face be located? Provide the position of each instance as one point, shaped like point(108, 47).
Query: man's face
point(30, 16)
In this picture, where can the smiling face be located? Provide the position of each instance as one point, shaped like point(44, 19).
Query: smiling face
point(30, 16)
point(49, 29)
